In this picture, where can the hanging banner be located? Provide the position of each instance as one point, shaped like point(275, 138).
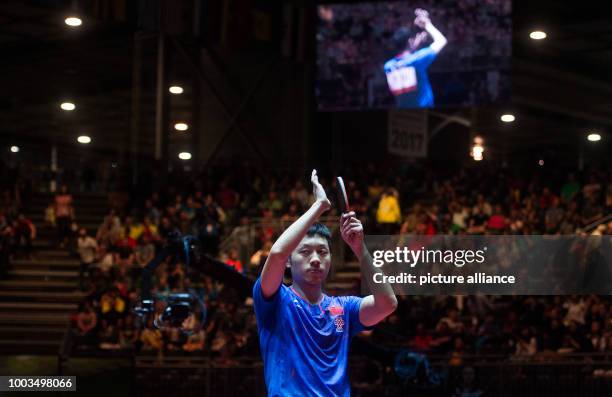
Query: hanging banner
point(407, 133)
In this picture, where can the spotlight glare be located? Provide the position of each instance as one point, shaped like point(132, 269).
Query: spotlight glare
point(541, 162)
point(14, 149)
point(73, 21)
point(84, 139)
point(184, 156)
point(477, 152)
point(175, 89)
point(537, 35)
point(594, 137)
point(68, 106)
point(181, 127)
point(507, 118)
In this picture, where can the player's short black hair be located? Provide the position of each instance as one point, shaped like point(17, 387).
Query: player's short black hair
point(401, 36)
point(319, 229)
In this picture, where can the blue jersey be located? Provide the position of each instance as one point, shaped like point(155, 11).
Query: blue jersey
point(407, 78)
point(304, 346)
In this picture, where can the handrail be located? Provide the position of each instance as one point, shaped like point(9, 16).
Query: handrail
point(598, 222)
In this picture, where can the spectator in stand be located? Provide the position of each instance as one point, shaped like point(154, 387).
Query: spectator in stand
point(460, 214)
point(478, 220)
point(228, 198)
point(50, 216)
point(24, 232)
point(151, 338)
point(599, 341)
point(553, 216)
point(483, 205)
point(151, 211)
point(570, 188)
point(86, 323)
point(87, 248)
point(272, 203)
point(129, 334)
point(497, 222)
point(451, 321)
point(422, 340)
point(145, 251)
point(112, 307)
point(105, 259)
point(526, 344)
point(388, 214)
point(259, 257)
point(5, 243)
point(233, 260)
point(124, 257)
point(195, 342)
point(150, 230)
point(375, 189)
point(64, 213)
point(108, 233)
point(300, 193)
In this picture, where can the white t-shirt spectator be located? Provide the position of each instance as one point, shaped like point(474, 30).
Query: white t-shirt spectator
point(106, 262)
point(87, 247)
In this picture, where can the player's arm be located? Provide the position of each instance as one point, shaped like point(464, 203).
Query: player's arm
point(382, 302)
point(274, 268)
point(422, 20)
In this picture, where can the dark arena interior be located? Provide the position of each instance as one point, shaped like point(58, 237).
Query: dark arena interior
point(156, 160)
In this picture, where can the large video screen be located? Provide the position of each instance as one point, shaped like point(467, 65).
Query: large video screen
point(413, 54)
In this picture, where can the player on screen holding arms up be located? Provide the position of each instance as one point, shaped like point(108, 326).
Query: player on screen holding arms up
point(407, 72)
point(305, 334)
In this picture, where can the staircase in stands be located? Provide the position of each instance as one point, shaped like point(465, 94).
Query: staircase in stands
point(38, 294)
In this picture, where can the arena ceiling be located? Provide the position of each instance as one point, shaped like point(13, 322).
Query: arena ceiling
point(562, 86)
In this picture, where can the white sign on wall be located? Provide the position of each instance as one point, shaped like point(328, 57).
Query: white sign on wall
point(408, 133)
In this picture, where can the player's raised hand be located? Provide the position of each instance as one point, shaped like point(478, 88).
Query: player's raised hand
point(419, 12)
point(422, 18)
point(351, 230)
point(318, 191)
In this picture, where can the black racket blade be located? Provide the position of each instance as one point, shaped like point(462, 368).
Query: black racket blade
point(342, 196)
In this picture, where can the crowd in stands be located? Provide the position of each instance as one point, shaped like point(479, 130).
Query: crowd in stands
point(17, 231)
point(465, 202)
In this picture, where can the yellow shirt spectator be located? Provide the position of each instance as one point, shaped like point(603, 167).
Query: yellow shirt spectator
point(388, 209)
point(136, 231)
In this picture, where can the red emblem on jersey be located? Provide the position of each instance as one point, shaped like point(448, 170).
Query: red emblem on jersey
point(336, 310)
point(339, 323)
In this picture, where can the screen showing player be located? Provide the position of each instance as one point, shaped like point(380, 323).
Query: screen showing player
point(413, 54)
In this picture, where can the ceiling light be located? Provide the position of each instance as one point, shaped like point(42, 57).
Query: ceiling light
point(14, 149)
point(181, 126)
point(184, 156)
point(507, 118)
point(73, 21)
point(84, 139)
point(68, 106)
point(537, 35)
point(594, 137)
point(175, 89)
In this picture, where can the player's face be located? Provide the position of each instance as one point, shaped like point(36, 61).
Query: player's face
point(311, 260)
